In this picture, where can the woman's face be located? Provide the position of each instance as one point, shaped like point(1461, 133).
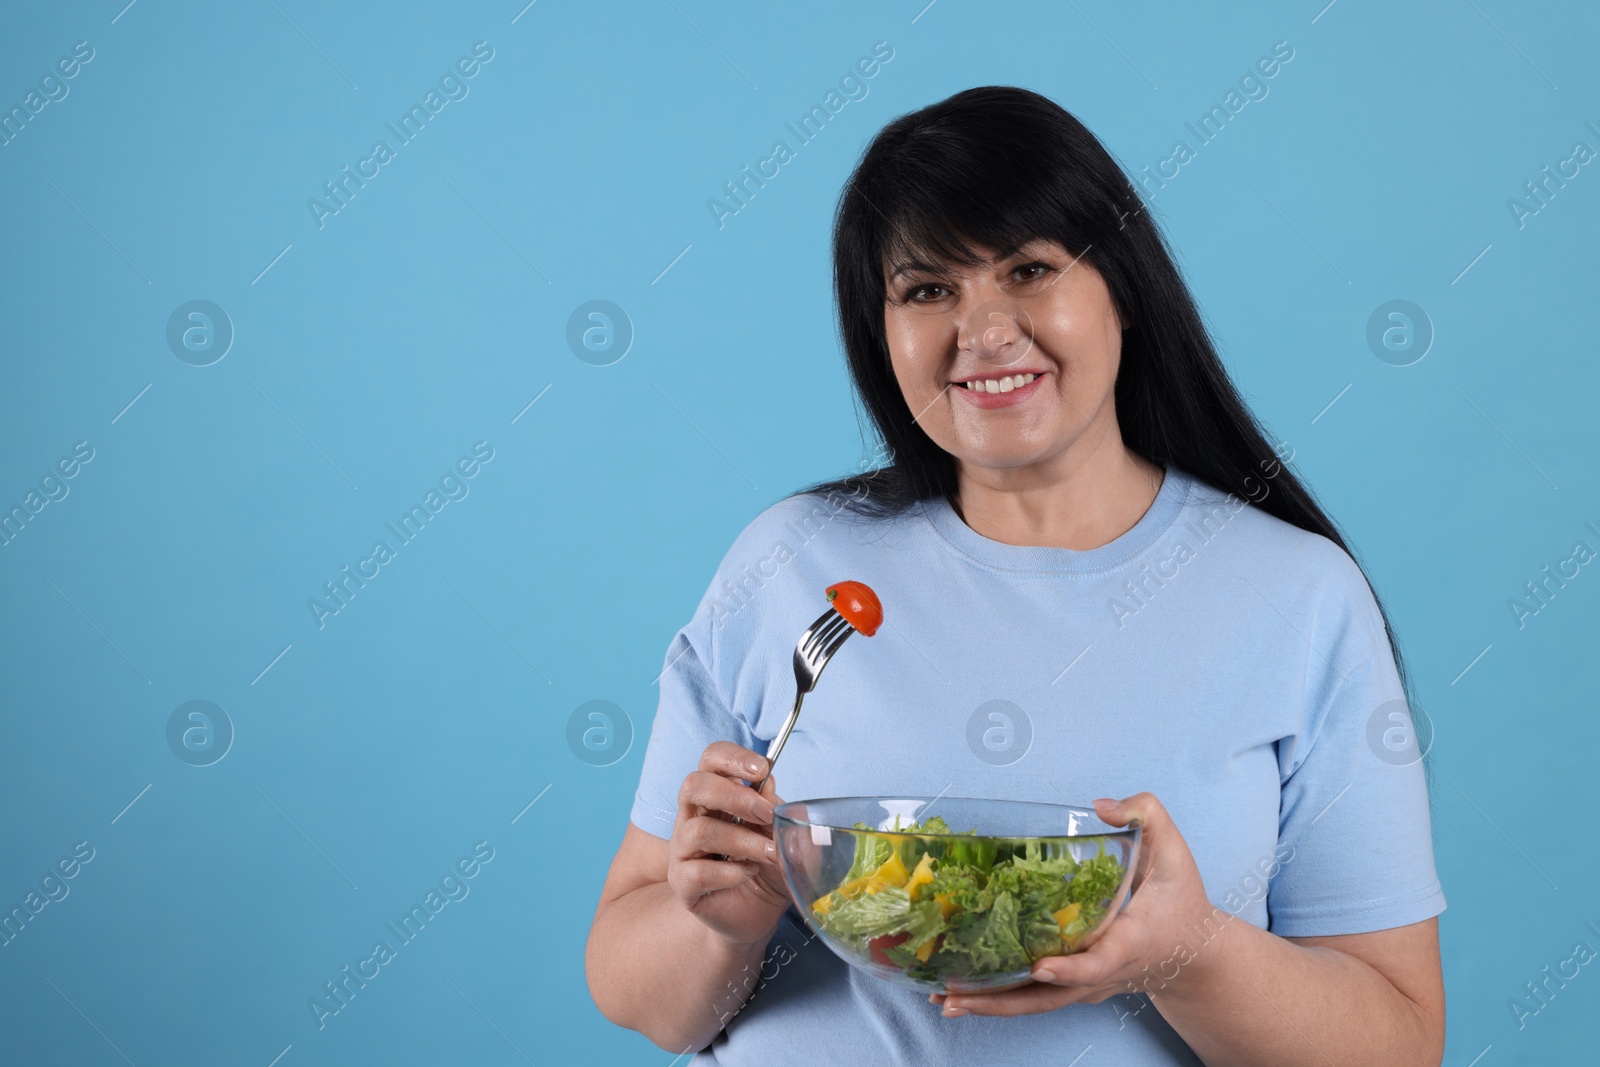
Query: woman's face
point(1010, 363)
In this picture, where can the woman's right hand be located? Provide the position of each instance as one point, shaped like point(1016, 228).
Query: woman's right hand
point(724, 873)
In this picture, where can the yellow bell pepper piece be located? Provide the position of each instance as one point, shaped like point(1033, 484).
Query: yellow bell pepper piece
point(892, 872)
point(1067, 914)
point(921, 876)
point(946, 905)
point(926, 950)
point(854, 886)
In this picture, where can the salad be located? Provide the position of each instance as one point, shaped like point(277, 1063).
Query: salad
point(950, 906)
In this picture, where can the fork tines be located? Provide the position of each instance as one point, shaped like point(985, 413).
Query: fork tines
point(828, 632)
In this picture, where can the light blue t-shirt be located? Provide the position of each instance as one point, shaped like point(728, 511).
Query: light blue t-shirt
point(1232, 664)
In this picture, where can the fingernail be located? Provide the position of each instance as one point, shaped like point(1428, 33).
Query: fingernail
point(754, 766)
point(954, 1013)
point(772, 851)
point(1045, 974)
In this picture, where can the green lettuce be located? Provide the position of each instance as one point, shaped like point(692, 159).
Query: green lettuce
point(871, 852)
point(871, 914)
point(989, 938)
point(1004, 896)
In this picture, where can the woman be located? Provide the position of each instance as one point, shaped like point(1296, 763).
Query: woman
point(1064, 527)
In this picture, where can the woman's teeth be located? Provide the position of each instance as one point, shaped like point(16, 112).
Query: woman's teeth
point(1000, 385)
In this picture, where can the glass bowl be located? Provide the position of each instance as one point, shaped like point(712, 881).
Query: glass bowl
point(952, 894)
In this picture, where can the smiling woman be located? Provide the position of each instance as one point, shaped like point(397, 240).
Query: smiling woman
point(1057, 422)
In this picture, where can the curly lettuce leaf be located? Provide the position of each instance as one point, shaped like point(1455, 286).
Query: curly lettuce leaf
point(1040, 933)
point(1034, 889)
point(889, 911)
point(1097, 879)
point(934, 824)
point(871, 914)
point(871, 852)
point(962, 885)
point(988, 938)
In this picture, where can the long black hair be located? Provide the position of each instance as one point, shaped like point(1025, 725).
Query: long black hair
point(998, 167)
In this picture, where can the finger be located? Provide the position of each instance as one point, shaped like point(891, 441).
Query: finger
point(1095, 966)
point(735, 761)
point(1081, 995)
point(706, 835)
point(1030, 999)
point(1156, 827)
point(692, 879)
point(706, 791)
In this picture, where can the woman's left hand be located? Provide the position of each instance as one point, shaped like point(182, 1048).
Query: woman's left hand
point(1168, 903)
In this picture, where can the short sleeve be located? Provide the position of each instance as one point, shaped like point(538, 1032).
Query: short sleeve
point(1355, 833)
point(689, 716)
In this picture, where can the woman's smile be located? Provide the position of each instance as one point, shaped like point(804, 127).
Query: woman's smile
point(999, 391)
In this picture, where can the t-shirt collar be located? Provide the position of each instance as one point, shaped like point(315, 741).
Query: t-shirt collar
point(1028, 559)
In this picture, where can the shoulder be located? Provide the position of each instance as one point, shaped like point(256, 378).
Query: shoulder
point(1304, 576)
point(819, 523)
point(1284, 551)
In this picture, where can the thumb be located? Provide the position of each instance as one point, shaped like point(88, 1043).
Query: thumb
point(1141, 809)
point(1144, 811)
point(1115, 812)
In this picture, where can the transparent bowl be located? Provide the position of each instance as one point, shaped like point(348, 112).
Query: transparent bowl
point(939, 909)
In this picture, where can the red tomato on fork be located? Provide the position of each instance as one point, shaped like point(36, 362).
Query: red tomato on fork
point(858, 604)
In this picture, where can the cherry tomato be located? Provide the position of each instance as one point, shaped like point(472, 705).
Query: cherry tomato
point(858, 604)
point(880, 944)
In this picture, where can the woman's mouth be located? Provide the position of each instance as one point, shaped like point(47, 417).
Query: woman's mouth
point(999, 391)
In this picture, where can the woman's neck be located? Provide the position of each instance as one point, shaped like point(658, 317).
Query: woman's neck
point(1076, 501)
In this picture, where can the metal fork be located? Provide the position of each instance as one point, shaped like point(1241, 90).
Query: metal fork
point(815, 648)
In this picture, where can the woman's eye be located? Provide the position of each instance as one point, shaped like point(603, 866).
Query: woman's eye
point(929, 292)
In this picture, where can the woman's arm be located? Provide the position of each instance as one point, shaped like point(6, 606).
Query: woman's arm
point(652, 966)
point(1235, 993)
point(678, 937)
point(1256, 998)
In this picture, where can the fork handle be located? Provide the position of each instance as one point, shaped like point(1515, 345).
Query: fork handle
point(777, 742)
point(775, 748)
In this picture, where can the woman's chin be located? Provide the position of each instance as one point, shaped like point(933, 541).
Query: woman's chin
point(1004, 463)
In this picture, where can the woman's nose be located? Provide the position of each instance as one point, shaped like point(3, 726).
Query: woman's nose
point(998, 331)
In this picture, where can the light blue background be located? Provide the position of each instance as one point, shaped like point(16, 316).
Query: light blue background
point(431, 310)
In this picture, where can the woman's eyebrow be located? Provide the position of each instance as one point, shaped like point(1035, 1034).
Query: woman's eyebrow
point(1029, 250)
point(915, 266)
